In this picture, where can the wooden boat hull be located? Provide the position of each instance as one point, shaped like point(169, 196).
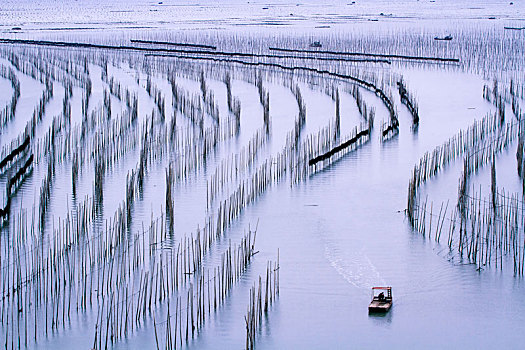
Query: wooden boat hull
point(379, 307)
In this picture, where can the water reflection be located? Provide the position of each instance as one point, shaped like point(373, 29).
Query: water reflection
point(382, 319)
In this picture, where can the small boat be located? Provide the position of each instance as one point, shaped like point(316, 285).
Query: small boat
point(380, 303)
point(447, 38)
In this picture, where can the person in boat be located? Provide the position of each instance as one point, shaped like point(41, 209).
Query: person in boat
point(381, 296)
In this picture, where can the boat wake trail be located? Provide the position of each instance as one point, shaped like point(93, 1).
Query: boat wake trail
point(354, 266)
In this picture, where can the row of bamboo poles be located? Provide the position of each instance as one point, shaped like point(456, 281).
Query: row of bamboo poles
point(262, 296)
point(205, 297)
point(408, 101)
point(8, 112)
point(486, 231)
point(480, 230)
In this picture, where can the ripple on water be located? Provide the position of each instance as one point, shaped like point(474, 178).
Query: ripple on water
point(354, 266)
